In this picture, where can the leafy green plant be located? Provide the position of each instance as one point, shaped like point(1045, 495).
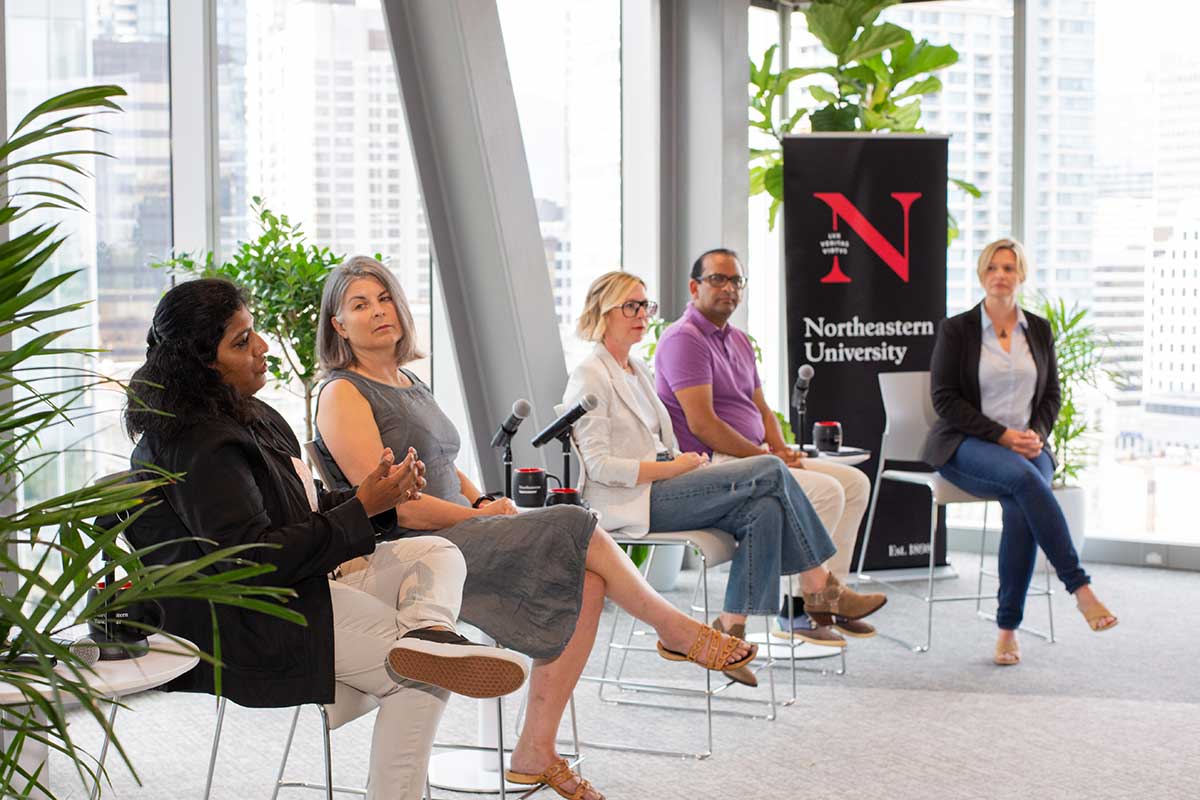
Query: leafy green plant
point(41, 604)
point(880, 74)
point(284, 277)
point(1078, 347)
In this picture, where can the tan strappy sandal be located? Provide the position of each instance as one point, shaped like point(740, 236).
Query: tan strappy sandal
point(716, 646)
point(1010, 647)
point(555, 776)
point(1095, 613)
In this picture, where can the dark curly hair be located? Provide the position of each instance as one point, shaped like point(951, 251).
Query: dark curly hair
point(181, 346)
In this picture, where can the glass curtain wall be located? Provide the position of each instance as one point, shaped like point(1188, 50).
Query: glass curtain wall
point(565, 62)
point(1112, 209)
point(311, 121)
point(68, 44)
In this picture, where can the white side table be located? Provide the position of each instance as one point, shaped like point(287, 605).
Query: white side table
point(112, 679)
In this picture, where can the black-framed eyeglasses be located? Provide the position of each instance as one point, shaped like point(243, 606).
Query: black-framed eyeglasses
point(719, 281)
point(630, 308)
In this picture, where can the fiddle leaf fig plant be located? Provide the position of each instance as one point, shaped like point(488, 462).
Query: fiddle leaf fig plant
point(879, 75)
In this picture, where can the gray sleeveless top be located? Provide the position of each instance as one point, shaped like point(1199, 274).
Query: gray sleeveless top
point(525, 573)
point(410, 417)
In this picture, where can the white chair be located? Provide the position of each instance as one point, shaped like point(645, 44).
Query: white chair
point(908, 408)
point(714, 547)
point(349, 704)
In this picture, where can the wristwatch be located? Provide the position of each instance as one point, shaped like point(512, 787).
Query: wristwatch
point(483, 498)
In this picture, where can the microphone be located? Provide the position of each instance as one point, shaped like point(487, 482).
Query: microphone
point(804, 376)
point(508, 428)
point(563, 424)
point(84, 649)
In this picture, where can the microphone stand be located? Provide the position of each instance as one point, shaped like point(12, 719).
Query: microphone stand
point(565, 438)
point(800, 405)
point(507, 459)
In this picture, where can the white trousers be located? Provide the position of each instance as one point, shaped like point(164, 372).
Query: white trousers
point(410, 583)
point(839, 494)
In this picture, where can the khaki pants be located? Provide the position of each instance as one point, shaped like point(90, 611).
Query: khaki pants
point(839, 494)
point(407, 584)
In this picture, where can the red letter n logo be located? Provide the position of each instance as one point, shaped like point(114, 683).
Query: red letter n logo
point(844, 209)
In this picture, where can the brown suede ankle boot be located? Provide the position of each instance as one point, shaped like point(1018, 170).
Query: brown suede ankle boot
point(838, 600)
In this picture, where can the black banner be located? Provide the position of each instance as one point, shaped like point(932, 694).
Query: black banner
point(865, 234)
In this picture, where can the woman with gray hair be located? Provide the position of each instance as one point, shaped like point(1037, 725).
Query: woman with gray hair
point(535, 583)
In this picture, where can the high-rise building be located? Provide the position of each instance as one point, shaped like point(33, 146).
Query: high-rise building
point(1172, 381)
point(1122, 233)
point(326, 138)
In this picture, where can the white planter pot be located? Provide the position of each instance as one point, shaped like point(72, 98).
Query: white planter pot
point(664, 568)
point(1073, 502)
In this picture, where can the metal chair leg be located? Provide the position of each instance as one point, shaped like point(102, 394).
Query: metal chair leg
point(982, 550)
point(212, 759)
point(1049, 602)
point(327, 750)
point(112, 718)
point(933, 523)
point(287, 751)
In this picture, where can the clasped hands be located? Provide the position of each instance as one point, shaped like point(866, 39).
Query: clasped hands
point(1023, 443)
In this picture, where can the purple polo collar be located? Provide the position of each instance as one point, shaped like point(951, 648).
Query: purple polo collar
point(703, 323)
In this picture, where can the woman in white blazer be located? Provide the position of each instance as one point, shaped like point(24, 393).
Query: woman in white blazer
point(634, 473)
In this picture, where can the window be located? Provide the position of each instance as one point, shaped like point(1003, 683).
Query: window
point(51, 48)
point(282, 51)
point(565, 60)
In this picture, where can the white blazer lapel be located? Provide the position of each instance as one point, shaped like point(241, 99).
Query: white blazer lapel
point(620, 385)
point(665, 426)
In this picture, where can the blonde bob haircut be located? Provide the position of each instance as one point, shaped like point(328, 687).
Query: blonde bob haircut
point(606, 293)
point(1013, 245)
point(334, 351)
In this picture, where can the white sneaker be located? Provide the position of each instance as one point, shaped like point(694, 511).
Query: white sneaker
point(455, 663)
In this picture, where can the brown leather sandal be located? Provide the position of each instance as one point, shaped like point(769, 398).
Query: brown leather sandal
point(555, 776)
point(720, 647)
point(743, 675)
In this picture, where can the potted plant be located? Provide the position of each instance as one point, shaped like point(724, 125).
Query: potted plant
point(879, 75)
point(40, 605)
point(1077, 347)
point(284, 277)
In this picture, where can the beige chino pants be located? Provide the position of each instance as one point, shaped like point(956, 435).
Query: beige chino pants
point(411, 583)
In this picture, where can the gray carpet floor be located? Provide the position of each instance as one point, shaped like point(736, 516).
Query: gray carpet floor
point(1110, 715)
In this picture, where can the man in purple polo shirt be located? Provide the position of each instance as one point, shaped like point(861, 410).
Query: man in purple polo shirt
point(707, 378)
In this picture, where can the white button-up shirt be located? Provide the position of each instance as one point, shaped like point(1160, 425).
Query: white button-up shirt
point(1007, 381)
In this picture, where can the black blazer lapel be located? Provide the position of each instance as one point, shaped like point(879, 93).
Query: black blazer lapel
point(972, 342)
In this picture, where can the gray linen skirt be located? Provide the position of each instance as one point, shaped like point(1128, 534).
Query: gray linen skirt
point(524, 581)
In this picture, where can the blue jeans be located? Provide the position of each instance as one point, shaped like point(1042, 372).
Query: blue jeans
point(756, 501)
point(1032, 519)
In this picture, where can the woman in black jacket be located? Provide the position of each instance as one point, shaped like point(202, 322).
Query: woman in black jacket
point(995, 388)
point(386, 629)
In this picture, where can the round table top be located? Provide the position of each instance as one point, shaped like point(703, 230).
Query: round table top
point(165, 661)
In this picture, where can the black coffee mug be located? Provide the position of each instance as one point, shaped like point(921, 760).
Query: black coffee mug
point(529, 487)
point(118, 640)
point(827, 436)
point(564, 497)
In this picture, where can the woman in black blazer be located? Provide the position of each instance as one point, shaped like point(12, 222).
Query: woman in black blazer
point(378, 629)
point(994, 380)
